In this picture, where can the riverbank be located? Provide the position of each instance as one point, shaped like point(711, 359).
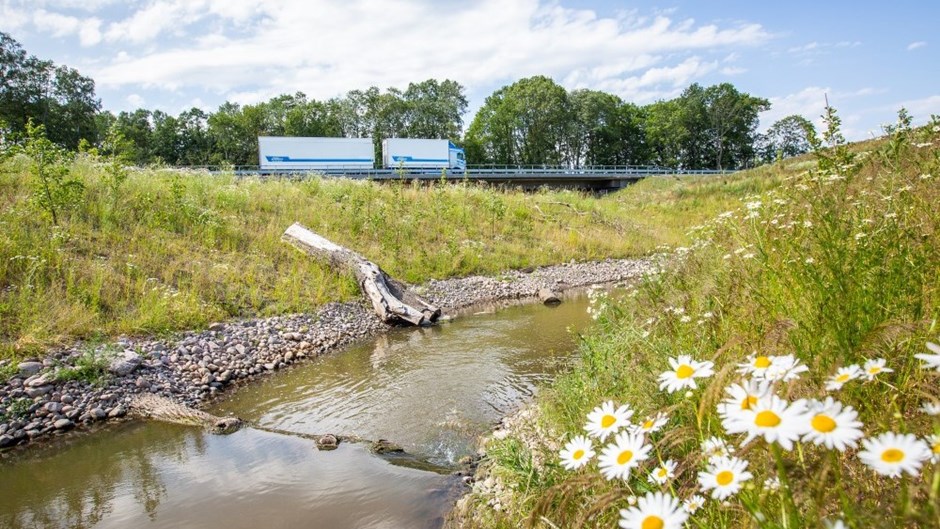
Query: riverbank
point(53, 395)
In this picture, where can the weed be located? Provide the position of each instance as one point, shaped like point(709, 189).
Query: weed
point(90, 367)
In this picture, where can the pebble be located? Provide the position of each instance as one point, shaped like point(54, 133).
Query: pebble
point(196, 366)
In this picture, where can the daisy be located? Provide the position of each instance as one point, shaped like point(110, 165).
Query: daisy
point(829, 424)
point(930, 408)
point(624, 454)
point(772, 484)
point(651, 424)
point(933, 441)
point(932, 361)
point(875, 367)
point(742, 397)
point(756, 365)
point(693, 504)
point(716, 447)
point(663, 473)
point(771, 418)
point(890, 454)
point(724, 476)
point(783, 369)
point(656, 509)
point(684, 372)
point(843, 375)
point(605, 420)
point(577, 453)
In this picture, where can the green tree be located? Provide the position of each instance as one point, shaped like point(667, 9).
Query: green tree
point(434, 109)
point(732, 118)
point(53, 190)
point(787, 137)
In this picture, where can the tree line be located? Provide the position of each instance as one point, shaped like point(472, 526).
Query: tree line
point(533, 121)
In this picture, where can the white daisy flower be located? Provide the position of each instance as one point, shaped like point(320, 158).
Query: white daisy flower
point(625, 453)
point(606, 419)
point(663, 473)
point(724, 477)
point(772, 484)
point(933, 441)
point(684, 372)
point(874, 367)
point(783, 369)
point(890, 454)
point(771, 418)
point(931, 361)
point(651, 424)
point(843, 375)
point(756, 365)
point(742, 397)
point(827, 423)
point(930, 408)
point(716, 447)
point(577, 452)
point(835, 524)
point(655, 510)
point(693, 504)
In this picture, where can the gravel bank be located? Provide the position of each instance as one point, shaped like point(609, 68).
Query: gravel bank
point(194, 367)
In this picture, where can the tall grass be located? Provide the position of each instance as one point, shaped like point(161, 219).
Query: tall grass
point(157, 250)
point(837, 266)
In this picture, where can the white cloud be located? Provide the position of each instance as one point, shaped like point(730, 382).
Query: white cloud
point(325, 48)
point(804, 48)
point(733, 70)
point(135, 101)
point(59, 25)
point(915, 45)
point(810, 103)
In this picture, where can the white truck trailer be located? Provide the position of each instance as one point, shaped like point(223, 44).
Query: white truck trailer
point(419, 153)
point(315, 154)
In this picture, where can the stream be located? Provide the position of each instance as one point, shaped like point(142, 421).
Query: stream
point(433, 391)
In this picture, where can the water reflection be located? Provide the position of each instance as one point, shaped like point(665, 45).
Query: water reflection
point(431, 390)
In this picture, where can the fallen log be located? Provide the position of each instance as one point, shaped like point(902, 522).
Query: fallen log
point(391, 300)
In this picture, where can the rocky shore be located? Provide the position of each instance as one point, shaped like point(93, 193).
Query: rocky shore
point(50, 396)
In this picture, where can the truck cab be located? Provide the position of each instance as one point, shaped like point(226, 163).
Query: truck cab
point(458, 160)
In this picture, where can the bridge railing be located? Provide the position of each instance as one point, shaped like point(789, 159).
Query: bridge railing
point(482, 171)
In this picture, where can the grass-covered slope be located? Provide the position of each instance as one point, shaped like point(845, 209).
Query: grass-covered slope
point(154, 250)
point(838, 266)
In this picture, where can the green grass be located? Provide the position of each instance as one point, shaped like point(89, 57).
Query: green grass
point(164, 250)
point(837, 265)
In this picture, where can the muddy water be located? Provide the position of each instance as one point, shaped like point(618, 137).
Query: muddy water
point(432, 391)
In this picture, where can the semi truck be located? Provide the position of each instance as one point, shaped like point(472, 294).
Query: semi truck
point(294, 153)
point(276, 153)
point(420, 153)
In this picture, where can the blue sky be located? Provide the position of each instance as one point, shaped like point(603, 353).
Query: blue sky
point(870, 58)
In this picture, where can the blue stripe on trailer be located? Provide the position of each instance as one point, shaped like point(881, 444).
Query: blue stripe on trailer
point(411, 159)
point(321, 160)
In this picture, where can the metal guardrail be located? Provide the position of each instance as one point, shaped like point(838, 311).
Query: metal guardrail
point(482, 172)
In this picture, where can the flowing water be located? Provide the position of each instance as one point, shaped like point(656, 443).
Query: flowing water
point(432, 391)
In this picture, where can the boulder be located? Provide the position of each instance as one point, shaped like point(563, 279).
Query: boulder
point(28, 369)
point(125, 363)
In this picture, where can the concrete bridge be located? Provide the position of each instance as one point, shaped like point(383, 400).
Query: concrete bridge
point(606, 178)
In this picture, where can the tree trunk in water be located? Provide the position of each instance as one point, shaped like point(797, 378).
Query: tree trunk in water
point(390, 299)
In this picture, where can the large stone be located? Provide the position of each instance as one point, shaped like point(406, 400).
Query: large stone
point(7, 440)
point(28, 369)
point(40, 380)
point(63, 424)
point(36, 392)
point(125, 364)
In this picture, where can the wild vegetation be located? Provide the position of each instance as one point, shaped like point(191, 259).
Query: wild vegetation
point(126, 250)
point(533, 121)
point(781, 372)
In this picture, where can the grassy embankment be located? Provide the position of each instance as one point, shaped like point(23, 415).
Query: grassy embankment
point(164, 250)
point(838, 265)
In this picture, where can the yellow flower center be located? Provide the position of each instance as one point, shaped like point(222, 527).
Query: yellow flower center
point(823, 423)
point(607, 421)
point(652, 522)
point(936, 447)
point(724, 477)
point(844, 377)
point(767, 419)
point(684, 371)
point(647, 425)
point(578, 454)
point(762, 362)
point(624, 457)
point(662, 472)
point(874, 370)
point(892, 455)
point(748, 401)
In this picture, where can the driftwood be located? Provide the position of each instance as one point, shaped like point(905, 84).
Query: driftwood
point(549, 296)
point(392, 301)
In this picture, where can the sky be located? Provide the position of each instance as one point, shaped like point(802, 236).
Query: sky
point(868, 57)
